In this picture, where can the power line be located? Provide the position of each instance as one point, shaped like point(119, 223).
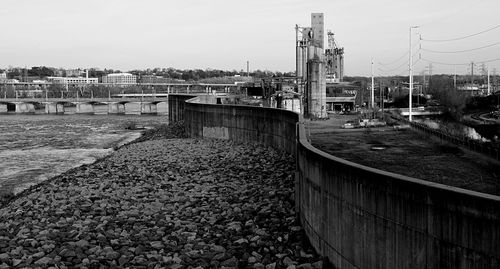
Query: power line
point(394, 69)
point(459, 51)
point(401, 65)
point(399, 68)
point(395, 61)
point(402, 57)
point(463, 37)
point(486, 61)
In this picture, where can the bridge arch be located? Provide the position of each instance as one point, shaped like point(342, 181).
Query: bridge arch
point(6, 107)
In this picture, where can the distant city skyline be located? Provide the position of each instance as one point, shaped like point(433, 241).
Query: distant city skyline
point(223, 34)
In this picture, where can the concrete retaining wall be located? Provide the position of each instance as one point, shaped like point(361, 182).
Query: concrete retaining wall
point(176, 104)
point(267, 126)
point(361, 217)
point(367, 218)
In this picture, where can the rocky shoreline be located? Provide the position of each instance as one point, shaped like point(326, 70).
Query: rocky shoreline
point(162, 202)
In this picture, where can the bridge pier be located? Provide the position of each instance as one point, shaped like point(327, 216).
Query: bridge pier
point(28, 108)
point(162, 108)
point(148, 108)
point(133, 108)
point(116, 108)
point(84, 108)
point(54, 108)
point(3, 108)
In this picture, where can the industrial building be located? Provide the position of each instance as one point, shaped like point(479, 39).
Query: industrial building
point(311, 67)
point(334, 61)
point(318, 69)
point(341, 97)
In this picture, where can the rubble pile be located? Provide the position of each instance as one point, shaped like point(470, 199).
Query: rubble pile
point(163, 203)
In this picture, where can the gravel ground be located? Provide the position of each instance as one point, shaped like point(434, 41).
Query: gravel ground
point(164, 203)
point(409, 153)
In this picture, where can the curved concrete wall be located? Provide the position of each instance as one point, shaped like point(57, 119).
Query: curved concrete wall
point(267, 126)
point(176, 103)
point(360, 217)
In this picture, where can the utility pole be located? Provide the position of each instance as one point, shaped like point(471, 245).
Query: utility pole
point(494, 79)
point(423, 80)
point(489, 81)
point(455, 78)
point(248, 69)
point(373, 89)
point(410, 69)
point(472, 73)
point(430, 73)
point(380, 94)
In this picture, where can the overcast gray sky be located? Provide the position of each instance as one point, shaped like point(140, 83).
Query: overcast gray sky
point(224, 34)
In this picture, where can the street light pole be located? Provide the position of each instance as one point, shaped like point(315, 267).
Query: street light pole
point(410, 69)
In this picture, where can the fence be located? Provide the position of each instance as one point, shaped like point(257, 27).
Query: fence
point(466, 142)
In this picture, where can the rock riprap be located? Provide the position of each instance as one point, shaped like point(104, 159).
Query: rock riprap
point(168, 203)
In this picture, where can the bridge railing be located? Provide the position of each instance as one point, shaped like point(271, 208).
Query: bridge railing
point(52, 90)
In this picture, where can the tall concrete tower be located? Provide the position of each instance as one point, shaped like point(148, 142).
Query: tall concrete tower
point(318, 26)
point(316, 84)
point(311, 67)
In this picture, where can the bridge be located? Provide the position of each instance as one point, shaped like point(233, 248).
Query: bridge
point(167, 87)
point(154, 102)
point(136, 104)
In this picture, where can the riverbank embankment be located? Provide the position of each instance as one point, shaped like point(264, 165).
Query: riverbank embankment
point(162, 203)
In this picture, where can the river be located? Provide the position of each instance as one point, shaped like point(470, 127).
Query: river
point(34, 148)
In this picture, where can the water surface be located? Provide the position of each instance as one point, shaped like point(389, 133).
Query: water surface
point(34, 148)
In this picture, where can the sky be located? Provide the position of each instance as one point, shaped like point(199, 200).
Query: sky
point(225, 34)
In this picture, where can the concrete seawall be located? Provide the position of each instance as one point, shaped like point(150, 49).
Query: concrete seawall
point(270, 127)
point(360, 217)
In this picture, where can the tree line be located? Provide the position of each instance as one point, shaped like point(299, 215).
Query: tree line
point(171, 73)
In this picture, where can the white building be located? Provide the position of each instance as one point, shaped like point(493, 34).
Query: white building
point(72, 80)
point(73, 72)
point(120, 78)
point(11, 81)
